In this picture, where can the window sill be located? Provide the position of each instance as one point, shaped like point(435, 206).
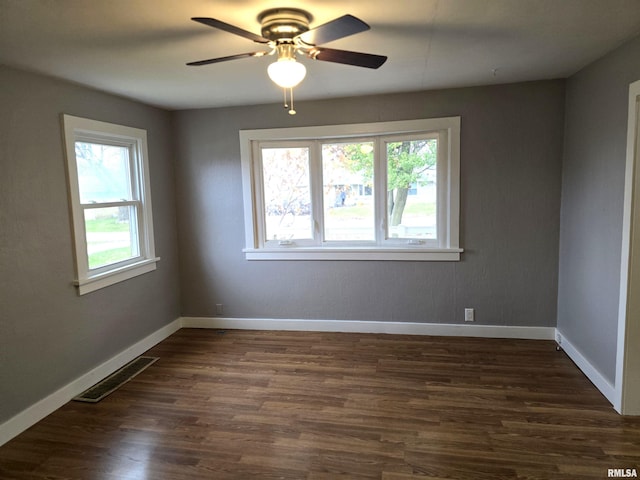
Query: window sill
point(96, 282)
point(356, 253)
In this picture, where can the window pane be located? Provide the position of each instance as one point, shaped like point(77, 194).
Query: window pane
point(287, 193)
point(347, 177)
point(103, 172)
point(411, 189)
point(111, 235)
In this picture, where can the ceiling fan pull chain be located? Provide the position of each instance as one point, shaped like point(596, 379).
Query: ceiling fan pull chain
point(284, 93)
point(292, 110)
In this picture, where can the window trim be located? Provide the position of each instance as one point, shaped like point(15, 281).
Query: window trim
point(449, 251)
point(85, 130)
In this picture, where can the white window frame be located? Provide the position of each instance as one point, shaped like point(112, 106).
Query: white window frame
point(260, 196)
point(448, 173)
point(77, 129)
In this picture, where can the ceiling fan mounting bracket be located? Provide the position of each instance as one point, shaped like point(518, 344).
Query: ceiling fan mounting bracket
point(284, 23)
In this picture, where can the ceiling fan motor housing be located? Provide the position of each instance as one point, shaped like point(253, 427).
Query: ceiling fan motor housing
point(284, 23)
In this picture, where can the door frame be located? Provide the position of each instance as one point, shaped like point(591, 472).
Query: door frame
point(627, 381)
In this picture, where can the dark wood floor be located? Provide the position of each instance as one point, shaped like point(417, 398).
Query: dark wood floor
point(289, 405)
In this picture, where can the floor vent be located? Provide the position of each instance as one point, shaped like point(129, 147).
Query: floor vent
point(115, 380)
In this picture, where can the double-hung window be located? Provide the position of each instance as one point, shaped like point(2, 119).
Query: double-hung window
point(110, 198)
point(380, 191)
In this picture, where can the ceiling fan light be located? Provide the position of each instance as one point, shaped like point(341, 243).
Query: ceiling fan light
point(286, 72)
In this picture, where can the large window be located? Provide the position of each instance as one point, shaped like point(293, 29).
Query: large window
point(110, 202)
point(381, 191)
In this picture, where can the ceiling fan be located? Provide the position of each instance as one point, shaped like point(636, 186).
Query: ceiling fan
point(285, 32)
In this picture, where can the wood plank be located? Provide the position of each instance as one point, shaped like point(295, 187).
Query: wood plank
point(319, 405)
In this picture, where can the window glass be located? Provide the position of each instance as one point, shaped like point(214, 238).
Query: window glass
point(103, 172)
point(111, 235)
point(348, 191)
point(287, 193)
point(412, 189)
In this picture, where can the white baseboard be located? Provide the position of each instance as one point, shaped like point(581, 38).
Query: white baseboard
point(357, 326)
point(591, 372)
point(51, 403)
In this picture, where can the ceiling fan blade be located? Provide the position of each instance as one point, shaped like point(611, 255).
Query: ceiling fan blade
point(225, 59)
point(357, 59)
point(339, 28)
point(212, 22)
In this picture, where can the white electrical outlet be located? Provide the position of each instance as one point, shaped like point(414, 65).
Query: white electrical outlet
point(469, 315)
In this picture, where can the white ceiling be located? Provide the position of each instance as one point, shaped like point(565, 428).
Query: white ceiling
point(138, 48)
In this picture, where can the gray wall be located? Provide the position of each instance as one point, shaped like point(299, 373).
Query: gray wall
point(49, 335)
point(592, 202)
point(511, 152)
